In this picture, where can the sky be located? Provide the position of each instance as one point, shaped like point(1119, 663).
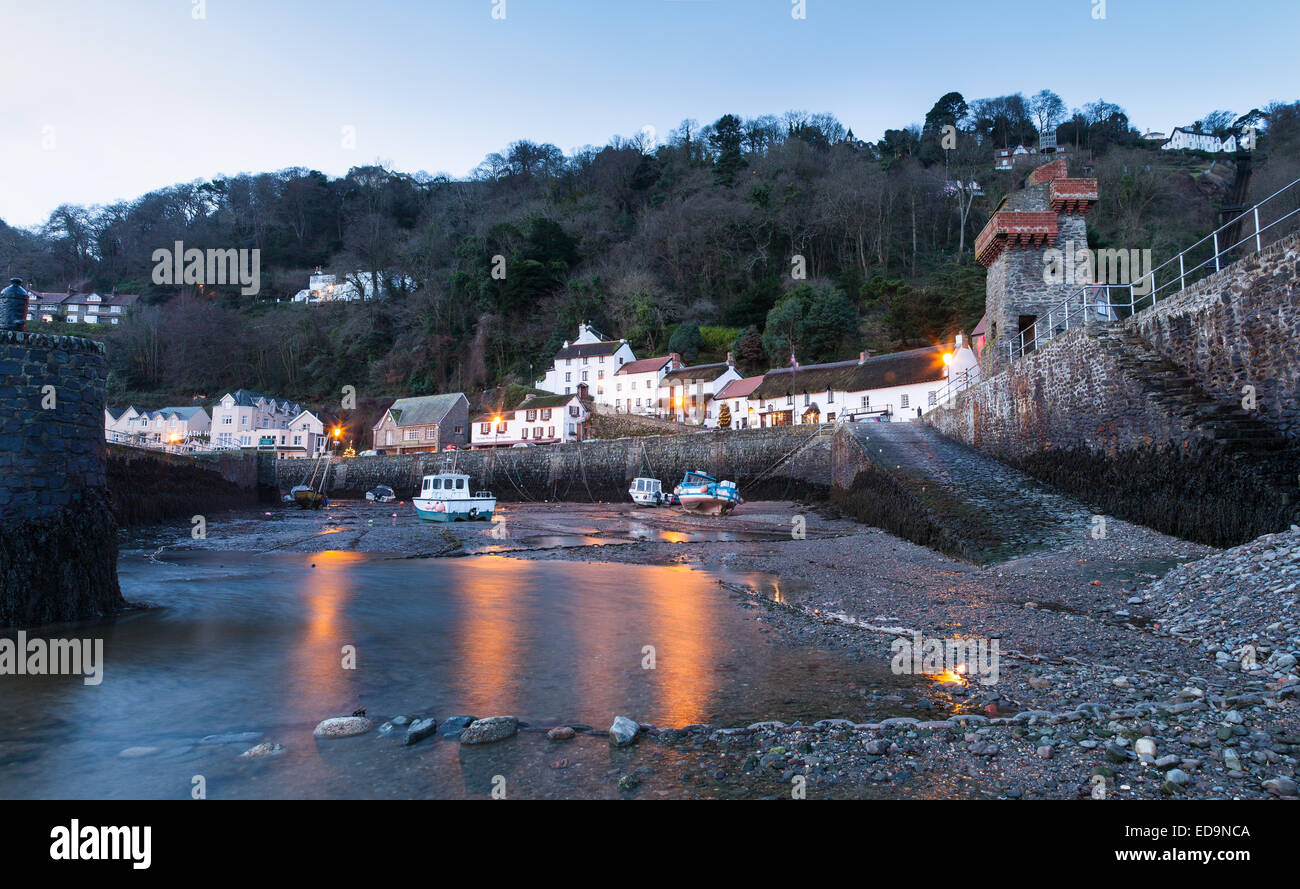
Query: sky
point(105, 100)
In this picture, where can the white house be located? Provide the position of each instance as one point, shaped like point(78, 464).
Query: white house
point(322, 288)
point(899, 386)
point(735, 395)
point(307, 435)
point(636, 383)
point(240, 415)
point(539, 419)
point(587, 366)
point(1193, 140)
point(686, 394)
point(165, 426)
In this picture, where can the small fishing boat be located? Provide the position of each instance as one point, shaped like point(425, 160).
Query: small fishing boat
point(446, 497)
point(647, 492)
point(704, 494)
point(311, 494)
point(381, 494)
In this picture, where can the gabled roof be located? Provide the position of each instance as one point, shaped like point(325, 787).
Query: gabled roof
point(739, 388)
point(982, 327)
point(811, 378)
point(899, 369)
point(644, 365)
point(705, 372)
point(590, 350)
point(422, 410)
point(535, 402)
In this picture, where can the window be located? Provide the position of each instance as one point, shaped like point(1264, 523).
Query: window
point(566, 390)
point(531, 416)
point(430, 433)
point(866, 401)
point(226, 420)
point(537, 433)
point(460, 484)
point(388, 437)
point(584, 376)
point(412, 434)
point(573, 411)
point(618, 387)
point(297, 439)
point(568, 378)
point(573, 429)
point(523, 433)
point(600, 374)
point(501, 428)
point(789, 399)
point(602, 361)
point(550, 432)
point(638, 402)
point(805, 399)
point(485, 428)
point(830, 397)
point(243, 421)
point(902, 401)
point(546, 413)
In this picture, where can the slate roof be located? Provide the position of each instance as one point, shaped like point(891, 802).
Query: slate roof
point(535, 402)
point(589, 350)
point(643, 365)
point(739, 388)
point(422, 410)
point(706, 372)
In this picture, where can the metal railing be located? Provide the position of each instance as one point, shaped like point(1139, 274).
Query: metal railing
point(957, 384)
point(1103, 303)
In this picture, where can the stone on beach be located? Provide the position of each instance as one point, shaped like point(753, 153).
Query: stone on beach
point(486, 731)
point(623, 731)
point(265, 749)
point(342, 727)
point(561, 733)
point(419, 730)
point(452, 726)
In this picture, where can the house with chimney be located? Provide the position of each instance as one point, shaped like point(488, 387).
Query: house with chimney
point(636, 384)
point(239, 418)
point(423, 423)
point(686, 393)
point(80, 308)
point(586, 366)
point(539, 419)
point(735, 395)
point(164, 426)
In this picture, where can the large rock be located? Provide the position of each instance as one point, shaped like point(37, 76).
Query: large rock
point(452, 726)
point(419, 730)
point(343, 727)
point(623, 731)
point(493, 728)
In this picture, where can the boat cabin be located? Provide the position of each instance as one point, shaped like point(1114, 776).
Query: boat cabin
point(448, 486)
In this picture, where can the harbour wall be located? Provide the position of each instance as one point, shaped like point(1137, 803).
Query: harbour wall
point(786, 462)
point(1146, 419)
point(58, 535)
point(147, 487)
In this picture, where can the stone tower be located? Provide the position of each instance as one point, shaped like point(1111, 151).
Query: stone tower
point(1013, 247)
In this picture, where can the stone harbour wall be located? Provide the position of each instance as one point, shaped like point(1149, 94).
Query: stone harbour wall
point(1237, 328)
point(147, 487)
point(58, 536)
point(598, 469)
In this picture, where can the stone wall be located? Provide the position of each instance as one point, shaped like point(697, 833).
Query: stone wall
point(1237, 328)
point(596, 470)
point(58, 538)
point(147, 486)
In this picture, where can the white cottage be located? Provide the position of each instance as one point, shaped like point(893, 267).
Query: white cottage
point(539, 419)
point(636, 384)
point(587, 366)
point(686, 394)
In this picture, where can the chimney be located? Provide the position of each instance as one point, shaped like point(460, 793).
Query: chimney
point(863, 356)
point(731, 360)
point(958, 342)
point(675, 360)
point(566, 344)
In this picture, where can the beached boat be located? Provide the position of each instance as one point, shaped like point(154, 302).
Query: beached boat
point(381, 494)
point(647, 492)
point(446, 497)
point(307, 498)
point(704, 494)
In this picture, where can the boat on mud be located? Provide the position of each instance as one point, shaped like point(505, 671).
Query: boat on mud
point(706, 495)
point(648, 492)
point(446, 497)
point(381, 494)
point(311, 493)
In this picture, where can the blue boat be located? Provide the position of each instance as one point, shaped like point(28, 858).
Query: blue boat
point(705, 494)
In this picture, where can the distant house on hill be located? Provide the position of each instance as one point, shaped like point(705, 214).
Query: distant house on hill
point(539, 419)
point(323, 288)
point(586, 366)
point(1192, 140)
point(423, 423)
point(80, 308)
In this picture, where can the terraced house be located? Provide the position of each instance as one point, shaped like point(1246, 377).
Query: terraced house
point(586, 366)
point(423, 423)
point(242, 416)
point(539, 419)
point(165, 426)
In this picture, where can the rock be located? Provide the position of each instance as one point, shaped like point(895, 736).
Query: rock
point(1039, 682)
point(1145, 748)
point(876, 747)
point(264, 749)
point(623, 731)
point(486, 731)
point(561, 733)
point(452, 726)
point(1044, 752)
point(232, 738)
point(343, 727)
point(1177, 776)
point(400, 720)
point(419, 730)
point(1280, 786)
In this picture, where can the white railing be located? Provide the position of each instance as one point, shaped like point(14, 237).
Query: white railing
point(958, 383)
point(1102, 303)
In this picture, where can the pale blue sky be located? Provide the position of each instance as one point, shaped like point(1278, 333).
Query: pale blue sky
point(102, 100)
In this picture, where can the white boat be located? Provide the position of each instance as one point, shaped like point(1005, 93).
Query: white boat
point(446, 497)
point(647, 492)
point(381, 494)
point(704, 494)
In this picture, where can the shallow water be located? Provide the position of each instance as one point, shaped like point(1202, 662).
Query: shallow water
point(255, 643)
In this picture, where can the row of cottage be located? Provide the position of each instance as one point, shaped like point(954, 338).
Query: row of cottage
point(591, 373)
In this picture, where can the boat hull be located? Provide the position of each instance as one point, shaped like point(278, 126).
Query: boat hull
point(470, 509)
point(705, 504)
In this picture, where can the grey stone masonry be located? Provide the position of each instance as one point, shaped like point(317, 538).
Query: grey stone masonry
point(51, 422)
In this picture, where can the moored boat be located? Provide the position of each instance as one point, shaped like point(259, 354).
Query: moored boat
point(305, 497)
point(704, 494)
point(647, 492)
point(446, 497)
point(381, 494)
